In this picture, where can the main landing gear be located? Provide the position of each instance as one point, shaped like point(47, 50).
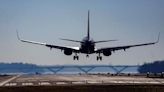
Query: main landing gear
point(99, 57)
point(76, 57)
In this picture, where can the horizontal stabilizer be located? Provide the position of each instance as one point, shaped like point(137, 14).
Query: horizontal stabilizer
point(71, 40)
point(104, 41)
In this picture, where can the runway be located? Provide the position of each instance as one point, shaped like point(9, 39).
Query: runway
point(84, 79)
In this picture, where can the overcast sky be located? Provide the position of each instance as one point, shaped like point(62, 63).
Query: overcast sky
point(129, 21)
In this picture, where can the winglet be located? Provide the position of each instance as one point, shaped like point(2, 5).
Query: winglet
point(18, 35)
point(27, 41)
point(158, 38)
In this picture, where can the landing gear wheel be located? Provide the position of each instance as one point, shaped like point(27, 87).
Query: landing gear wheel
point(75, 57)
point(99, 58)
point(87, 56)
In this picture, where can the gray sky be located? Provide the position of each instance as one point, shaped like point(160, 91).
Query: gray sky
point(129, 21)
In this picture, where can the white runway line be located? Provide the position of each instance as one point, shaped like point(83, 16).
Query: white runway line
point(37, 80)
point(10, 84)
point(27, 84)
point(44, 83)
point(8, 80)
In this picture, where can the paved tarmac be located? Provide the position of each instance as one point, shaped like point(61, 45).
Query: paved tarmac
point(84, 79)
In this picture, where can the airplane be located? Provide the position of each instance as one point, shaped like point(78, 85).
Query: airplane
point(87, 46)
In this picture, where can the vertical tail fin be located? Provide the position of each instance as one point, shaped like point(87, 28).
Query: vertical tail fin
point(88, 34)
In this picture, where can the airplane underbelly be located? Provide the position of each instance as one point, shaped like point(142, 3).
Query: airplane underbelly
point(87, 50)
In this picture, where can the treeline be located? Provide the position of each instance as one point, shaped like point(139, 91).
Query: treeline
point(18, 67)
point(155, 67)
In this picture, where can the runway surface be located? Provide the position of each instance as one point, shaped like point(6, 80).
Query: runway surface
point(84, 79)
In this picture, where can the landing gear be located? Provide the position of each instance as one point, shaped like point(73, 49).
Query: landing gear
point(99, 57)
point(87, 56)
point(76, 57)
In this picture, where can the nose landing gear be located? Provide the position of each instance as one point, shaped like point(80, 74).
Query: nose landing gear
point(87, 56)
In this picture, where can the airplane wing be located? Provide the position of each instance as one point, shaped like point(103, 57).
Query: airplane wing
point(124, 47)
point(74, 49)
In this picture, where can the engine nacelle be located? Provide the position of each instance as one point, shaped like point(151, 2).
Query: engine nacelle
point(68, 52)
point(107, 53)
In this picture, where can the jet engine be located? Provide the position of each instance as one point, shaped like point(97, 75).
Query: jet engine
point(68, 52)
point(107, 53)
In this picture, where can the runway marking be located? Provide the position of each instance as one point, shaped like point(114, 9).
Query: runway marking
point(44, 83)
point(46, 80)
point(61, 83)
point(10, 84)
point(79, 82)
point(27, 84)
point(8, 80)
